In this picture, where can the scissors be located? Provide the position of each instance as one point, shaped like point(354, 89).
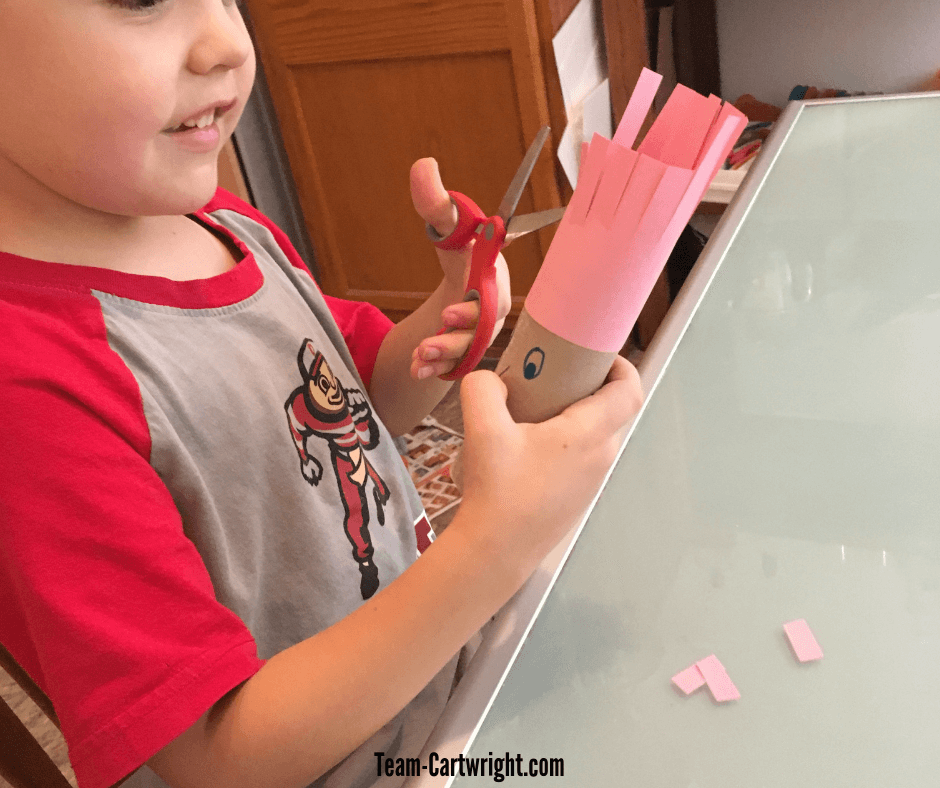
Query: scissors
point(492, 232)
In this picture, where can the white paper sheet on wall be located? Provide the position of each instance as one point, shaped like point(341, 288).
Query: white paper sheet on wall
point(591, 115)
point(597, 112)
point(577, 46)
point(585, 89)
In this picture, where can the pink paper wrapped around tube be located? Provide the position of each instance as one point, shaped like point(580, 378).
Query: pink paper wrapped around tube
point(626, 214)
point(623, 220)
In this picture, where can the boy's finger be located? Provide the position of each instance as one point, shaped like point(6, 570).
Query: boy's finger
point(441, 354)
point(614, 404)
point(430, 198)
point(450, 346)
point(462, 315)
point(622, 369)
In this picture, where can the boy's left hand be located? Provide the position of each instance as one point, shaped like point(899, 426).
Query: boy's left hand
point(438, 355)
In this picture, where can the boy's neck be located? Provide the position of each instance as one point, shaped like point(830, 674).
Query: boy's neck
point(149, 245)
point(41, 225)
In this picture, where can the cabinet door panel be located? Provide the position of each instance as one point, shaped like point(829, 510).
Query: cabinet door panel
point(363, 92)
point(325, 32)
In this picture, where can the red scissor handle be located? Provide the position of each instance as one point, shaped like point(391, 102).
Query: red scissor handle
point(469, 218)
point(490, 233)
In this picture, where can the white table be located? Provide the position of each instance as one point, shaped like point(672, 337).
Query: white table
point(786, 465)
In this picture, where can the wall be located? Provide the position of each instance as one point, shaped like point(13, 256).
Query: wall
point(767, 47)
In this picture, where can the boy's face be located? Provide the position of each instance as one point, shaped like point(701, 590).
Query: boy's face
point(89, 88)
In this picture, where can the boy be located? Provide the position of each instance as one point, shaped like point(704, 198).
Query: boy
point(206, 536)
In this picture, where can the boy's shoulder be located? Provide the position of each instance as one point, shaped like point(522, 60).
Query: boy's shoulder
point(39, 321)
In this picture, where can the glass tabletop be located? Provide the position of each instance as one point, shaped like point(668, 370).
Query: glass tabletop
point(786, 466)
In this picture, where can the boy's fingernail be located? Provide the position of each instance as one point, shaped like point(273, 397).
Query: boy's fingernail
point(425, 372)
point(431, 354)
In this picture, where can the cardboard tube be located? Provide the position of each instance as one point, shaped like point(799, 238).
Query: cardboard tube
point(545, 373)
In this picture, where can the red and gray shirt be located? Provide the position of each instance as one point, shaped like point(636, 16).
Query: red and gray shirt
point(171, 512)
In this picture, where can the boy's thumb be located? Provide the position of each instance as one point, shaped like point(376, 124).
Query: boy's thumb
point(430, 198)
point(483, 402)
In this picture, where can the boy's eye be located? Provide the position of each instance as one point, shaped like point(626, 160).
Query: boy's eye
point(137, 5)
point(146, 5)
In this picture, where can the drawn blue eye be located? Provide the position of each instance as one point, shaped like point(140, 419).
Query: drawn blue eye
point(532, 365)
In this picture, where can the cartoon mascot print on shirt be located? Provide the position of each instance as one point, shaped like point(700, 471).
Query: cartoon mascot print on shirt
point(323, 408)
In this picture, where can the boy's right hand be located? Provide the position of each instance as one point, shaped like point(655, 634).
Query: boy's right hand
point(526, 485)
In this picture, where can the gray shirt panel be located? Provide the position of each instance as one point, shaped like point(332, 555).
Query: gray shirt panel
point(215, 383)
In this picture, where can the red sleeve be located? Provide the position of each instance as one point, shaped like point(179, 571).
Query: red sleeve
point(106, 603)
point(363, 325)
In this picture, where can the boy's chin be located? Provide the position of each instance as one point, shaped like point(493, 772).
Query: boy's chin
point(187, 200)
point(202, 197)
point(146, 198)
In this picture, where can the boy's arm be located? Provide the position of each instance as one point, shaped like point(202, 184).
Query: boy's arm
point(400, 399)
point(405, 386)
point(314, 703)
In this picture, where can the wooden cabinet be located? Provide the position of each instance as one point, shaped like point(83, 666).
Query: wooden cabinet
point(362, 90)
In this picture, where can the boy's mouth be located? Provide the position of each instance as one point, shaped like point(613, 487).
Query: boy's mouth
point(209, 118)
point(204, 122)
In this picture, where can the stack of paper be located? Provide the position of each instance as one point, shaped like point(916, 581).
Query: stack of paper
point(626, 214)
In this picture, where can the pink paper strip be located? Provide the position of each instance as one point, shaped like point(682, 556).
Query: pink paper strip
point(689, 679)
point(801, 639)
point(637, 267)
point(644, 181)
point(717, 106)
point(637, 108)
point(572, 265)
point(727, 110)
point(718, 680)
point(613, 240)
point(589, 174)
point(617, 171)
point(718, 152)
point(611, 272)
point(677, 135)
point(661, 207)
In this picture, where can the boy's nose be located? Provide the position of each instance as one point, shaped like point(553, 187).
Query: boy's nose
point(222, 40)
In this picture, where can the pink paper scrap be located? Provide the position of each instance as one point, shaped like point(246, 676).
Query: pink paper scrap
point(689, 679)
point(718, 680)
point(801, 639)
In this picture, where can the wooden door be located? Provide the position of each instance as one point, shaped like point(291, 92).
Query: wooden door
point(364, 89)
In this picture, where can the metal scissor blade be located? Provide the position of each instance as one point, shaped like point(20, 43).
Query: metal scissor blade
point(514, 192)
point(529, 222)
